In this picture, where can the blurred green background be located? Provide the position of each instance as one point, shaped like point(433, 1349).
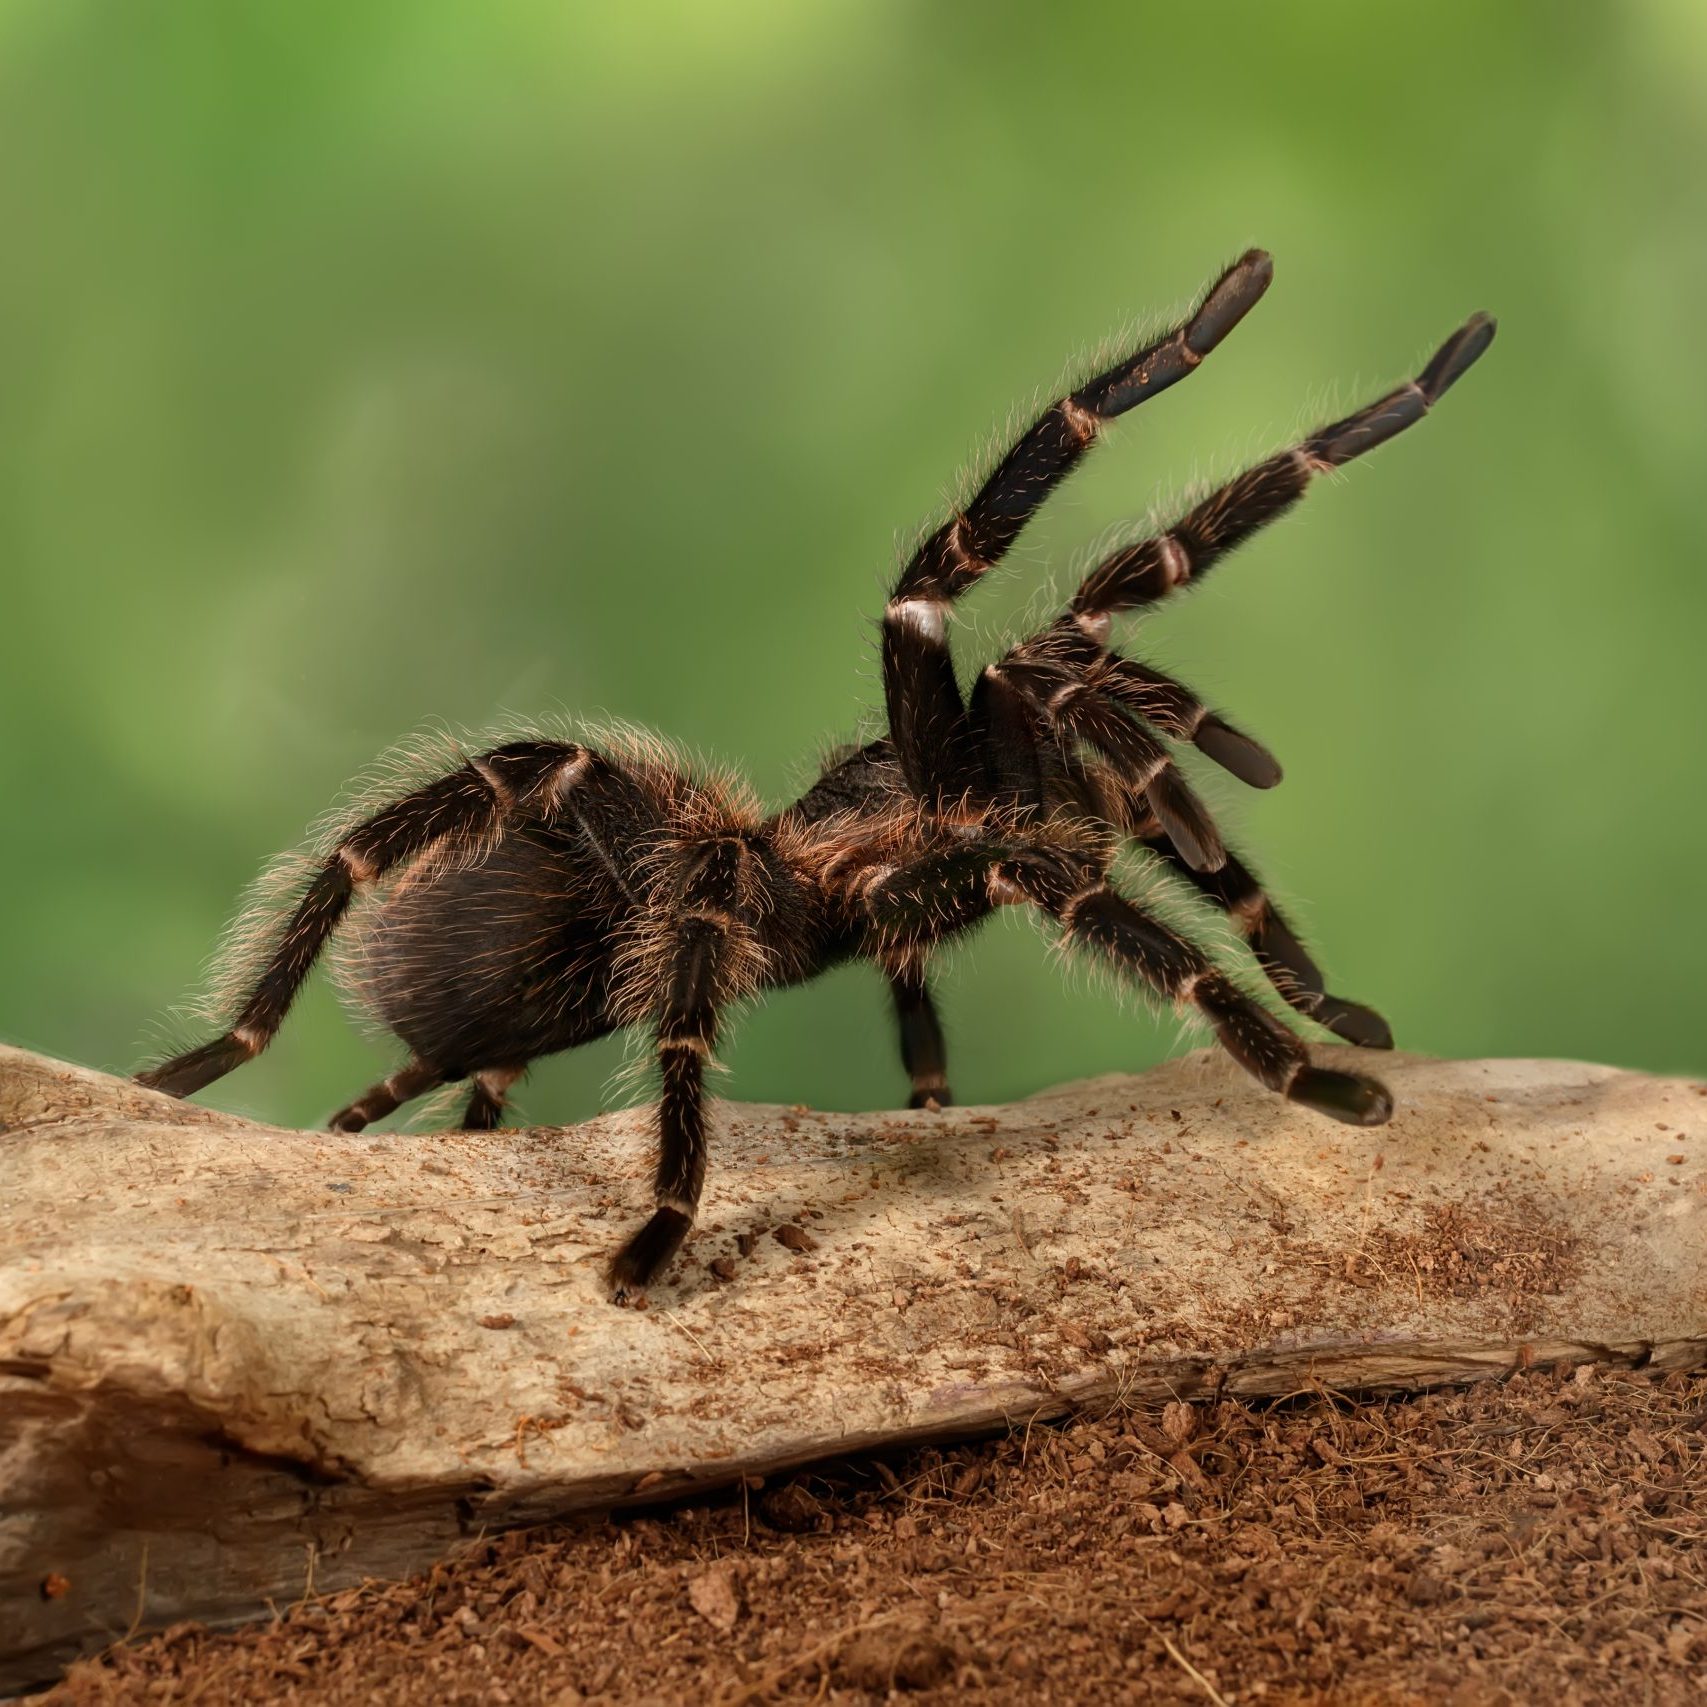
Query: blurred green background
point(366, 365)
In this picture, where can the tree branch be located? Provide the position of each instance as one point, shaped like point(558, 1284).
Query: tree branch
point(267, 1361)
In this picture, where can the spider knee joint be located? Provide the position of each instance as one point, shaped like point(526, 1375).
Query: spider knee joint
point(924, 616)
point(569, 773)
point(684, 1045)
point(359, 866)
point(488, 774)
point(1176, 560)
point(1080, 420)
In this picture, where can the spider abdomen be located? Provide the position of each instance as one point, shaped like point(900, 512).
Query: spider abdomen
point(493, 961)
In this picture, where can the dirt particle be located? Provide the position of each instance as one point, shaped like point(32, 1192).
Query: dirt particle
point(1179, 1421)
point(716, 1596)
point(498, 1321)
point(967, 1481)
point(791, 1509)
point(1425, 1589)
point(794, 1238)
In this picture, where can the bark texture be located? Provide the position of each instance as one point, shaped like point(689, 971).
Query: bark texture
point(239, 1364)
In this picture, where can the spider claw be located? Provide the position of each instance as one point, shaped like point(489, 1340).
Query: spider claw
point(1342, 1096)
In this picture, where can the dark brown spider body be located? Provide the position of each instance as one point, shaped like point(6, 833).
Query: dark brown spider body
point(544, 893)
point(495, 962)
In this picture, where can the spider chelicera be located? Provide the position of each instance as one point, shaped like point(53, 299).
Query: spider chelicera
point(545, 892)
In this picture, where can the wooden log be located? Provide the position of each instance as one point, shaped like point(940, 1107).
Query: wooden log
point(238, 1364)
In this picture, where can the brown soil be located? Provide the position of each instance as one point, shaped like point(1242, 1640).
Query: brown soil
point(1544, 1540)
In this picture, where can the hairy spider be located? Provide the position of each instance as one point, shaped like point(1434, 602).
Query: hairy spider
point(544, 893)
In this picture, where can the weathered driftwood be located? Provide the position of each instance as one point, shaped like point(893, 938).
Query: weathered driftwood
point(237, 1363)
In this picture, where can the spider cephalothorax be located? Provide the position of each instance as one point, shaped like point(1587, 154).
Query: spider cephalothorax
point(543, 893)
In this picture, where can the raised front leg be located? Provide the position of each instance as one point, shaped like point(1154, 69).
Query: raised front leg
point(927, 718)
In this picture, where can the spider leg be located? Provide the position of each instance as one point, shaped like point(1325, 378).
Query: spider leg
point(485, 1111)
point(1236, 890)
point(704, 955)
point(1108, 707)
point(1065, 678)
point(938, 891)
point(1288, 965)
point(1096, 918)
point(1151, 568)
point(1043, 667)
point(923, 1052)
point(458, 809)
point(1063, 876)
point(385, 1097)
point(1073, 708)
point(909, 906)
point(1172, 707)
point(927, 718)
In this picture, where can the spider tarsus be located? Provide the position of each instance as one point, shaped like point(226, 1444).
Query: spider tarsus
point(1354, 1022)
point(648, 1252)
point(377, 1101)
point(1335, 445)
point(484, 1113)
point(1342, 1096)
point(1229, 300)
point(931, 1102)
point(1456, 356)
point(195, 1069)
point(1237, 754)
point(1150, 371)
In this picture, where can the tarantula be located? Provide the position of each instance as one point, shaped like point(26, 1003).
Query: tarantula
point(545, 892)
